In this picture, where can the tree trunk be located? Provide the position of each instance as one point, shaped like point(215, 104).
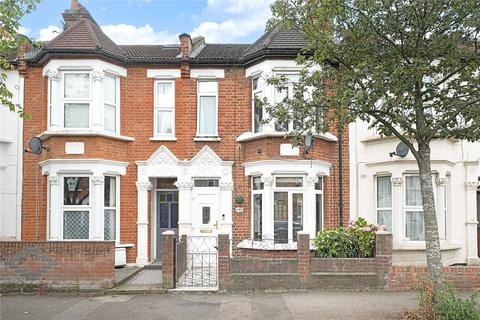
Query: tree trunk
point(432, 242)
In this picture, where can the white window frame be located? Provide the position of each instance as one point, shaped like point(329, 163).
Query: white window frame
point(116, 208)
point(377, 208)
point(290, 92)
point(117, 103)
point(88, 207)
point(207, 94)
point(290, 191)
point(87, 100)
point(257, 92)
point(262, 193)
point(319, 191)
point(157, 108)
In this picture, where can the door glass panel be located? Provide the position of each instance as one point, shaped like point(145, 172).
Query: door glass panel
point(164, 213)
point(206, 215)
point(297, 201)
point(280, 212)
point(174, 215)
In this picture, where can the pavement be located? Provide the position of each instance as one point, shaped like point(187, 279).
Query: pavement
point(198, 306)
point(141, 281)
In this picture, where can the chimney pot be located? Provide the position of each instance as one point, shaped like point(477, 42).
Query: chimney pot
point(74, 4)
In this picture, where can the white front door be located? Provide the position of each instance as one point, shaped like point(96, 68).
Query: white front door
point(205, 207)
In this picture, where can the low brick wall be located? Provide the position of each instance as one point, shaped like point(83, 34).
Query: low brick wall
point(460, 277)
point(71, 265)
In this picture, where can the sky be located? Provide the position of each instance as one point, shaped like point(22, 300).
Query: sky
point(158, 21)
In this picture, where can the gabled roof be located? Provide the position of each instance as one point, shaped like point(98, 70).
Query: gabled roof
point(150, 53)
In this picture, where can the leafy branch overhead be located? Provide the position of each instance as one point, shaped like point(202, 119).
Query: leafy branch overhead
point(11, 11)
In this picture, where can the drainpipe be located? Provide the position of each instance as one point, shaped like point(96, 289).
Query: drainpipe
point(340, 177)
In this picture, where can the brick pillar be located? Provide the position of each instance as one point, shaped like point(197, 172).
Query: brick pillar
point(168, 256)
point(303, 254)
point(223, 260)
point(383, 255)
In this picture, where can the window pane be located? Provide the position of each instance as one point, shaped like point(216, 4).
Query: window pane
point(319, 184)
point(289, 182)
point(414, 226)
point(207, 115)
point(204, 183)
point(257, 113)
point(413, 195)
point(173, 215)
point(207, 87)
point(384, 192)
point(75, 225)
point(76, 115)
point(257, 217)
point(257, 183)
point(76, 191)
point(110, 118)
point(164, 94)
point(206, 215)
point(255, 83)
point(164, 208)
point(384, 217)
point(319, 212)
point(280, 216)
point(77, 85)
point(281, 126)
point(110, 192)
point(279, 96)
point(110, 90)
point(109, 224)
point(297, 201)
point(164, 122)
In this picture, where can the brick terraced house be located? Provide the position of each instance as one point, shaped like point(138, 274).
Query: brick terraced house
point(147, 138)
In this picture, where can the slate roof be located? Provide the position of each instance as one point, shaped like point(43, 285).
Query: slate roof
point(84, 36)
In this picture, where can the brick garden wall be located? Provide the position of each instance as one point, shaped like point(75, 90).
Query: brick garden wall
point(68, 265)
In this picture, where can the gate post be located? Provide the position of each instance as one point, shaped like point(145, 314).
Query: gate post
point(303, 254)
point(223, 260)
point(168, 259)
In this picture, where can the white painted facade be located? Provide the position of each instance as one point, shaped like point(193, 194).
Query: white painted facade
point(11, 153)
point(456, 167)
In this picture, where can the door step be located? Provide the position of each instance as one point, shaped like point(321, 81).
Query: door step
point(155, 265)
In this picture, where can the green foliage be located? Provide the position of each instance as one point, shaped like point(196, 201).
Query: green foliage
point(443, 304)
point(355, 241)
point(11, 11)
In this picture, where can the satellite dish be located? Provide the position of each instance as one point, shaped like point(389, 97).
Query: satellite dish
point(308, 142)
point(36, 145)
point(401, 150)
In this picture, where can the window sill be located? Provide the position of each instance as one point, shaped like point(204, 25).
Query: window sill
point(124, 245)
point(163, 138)
point(420, 246)
point(268, 245)
point(248, 136)
point(85, 133)
point(217, 139)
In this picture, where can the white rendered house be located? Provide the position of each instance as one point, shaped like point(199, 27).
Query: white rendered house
point(11, 128)
point(386, 189)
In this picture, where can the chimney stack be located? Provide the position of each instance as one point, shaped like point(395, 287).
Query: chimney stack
point(74, 5)
point(185, 45)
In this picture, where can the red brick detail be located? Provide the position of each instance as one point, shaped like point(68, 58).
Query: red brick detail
point(72, 264)
point(168, 260)
point(223, 260)
point(181, 261)
point(185, 45)
point(303, 255)
point(408, 277)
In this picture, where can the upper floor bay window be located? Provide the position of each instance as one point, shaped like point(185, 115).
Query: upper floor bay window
point(281, 93)
point(76, 100)
point(164, 118)
point(384, 201)
point(207, 109)
point(258, 110)
point(111, 106)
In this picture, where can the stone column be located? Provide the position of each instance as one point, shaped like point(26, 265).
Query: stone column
point(96, 109)
point(55, 108)
point(168, 259)
point(309, 212)
point(267, 214)
point(303, 254)
point(441, 182)
point(397, 208)
point(184, 206)
point(223, 260)
point(97, 215)
point(225, 219)
point(142, 222)
point(471, 222)
point(55, 218)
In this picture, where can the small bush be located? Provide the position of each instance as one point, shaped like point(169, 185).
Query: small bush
point(355, 241)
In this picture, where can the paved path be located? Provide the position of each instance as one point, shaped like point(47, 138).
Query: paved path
point(198, 306)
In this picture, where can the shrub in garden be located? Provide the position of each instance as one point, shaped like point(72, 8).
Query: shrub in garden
point(363, 234)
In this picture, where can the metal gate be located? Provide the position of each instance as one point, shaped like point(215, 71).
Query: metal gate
point(198, 268)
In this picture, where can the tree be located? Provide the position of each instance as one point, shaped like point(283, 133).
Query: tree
point(409, 68)
point(11, 11)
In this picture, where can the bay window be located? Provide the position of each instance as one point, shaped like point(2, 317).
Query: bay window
point(287, 208)
point(207, 109)
point(110, 199)
point(110, 97)
point(164, 118)
point(281, 93)
point(76, 100)
point(413, 209)
point(384, 201)
point(258, 112)
point(257, 205)
point(76, 207)
point(319, 205)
